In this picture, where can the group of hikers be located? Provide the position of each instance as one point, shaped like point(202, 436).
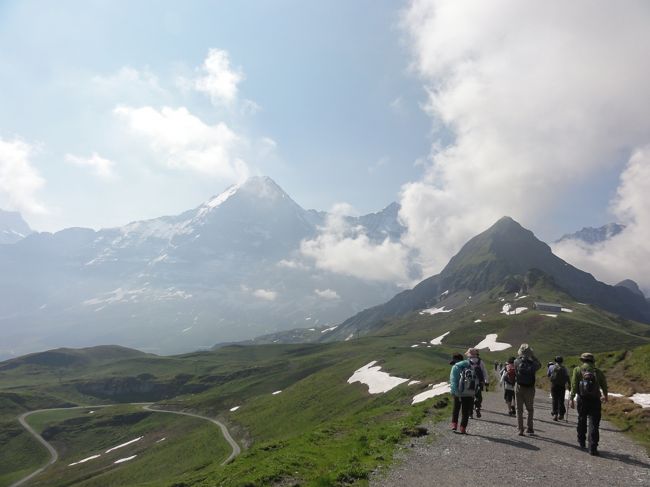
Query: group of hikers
point(469, 377)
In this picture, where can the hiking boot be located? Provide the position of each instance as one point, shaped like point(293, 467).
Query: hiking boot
point(454, 426)
point(478, 413)
point(594, 452)
point(582, 445)
point(555, 417)
point(561, 417)
point(463, 430)
point(521, 432)
point(530, 432)
point(514, 411)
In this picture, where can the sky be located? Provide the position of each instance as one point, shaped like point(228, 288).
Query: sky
point(462, 111)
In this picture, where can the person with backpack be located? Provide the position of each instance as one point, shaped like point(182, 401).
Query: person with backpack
point(587, 382)
point(481, 372)
point(559, 377)
point(463, 382)
point(526, 365)
point(508, 380)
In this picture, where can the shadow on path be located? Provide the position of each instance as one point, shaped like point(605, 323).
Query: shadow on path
point(624, 458)
point(504, 441)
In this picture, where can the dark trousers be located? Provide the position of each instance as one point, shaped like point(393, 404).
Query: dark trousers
point(464, 403)
point(589, 409)
point(478, 398)
point(557, 395)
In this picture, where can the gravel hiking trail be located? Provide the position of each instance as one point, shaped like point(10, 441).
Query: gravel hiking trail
point(492, 453)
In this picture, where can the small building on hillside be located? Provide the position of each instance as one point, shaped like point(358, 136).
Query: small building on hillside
point(550, 307)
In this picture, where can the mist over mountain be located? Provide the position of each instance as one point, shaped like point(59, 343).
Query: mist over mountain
point(506, 255)
point(12, 227)
point(228, 270)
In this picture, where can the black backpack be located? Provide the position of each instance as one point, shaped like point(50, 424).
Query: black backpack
point(559, 375)
point(588, 386)
point(525, 370)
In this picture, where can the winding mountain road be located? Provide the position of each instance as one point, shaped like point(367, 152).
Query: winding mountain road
point(54, 456)
point(493, 454)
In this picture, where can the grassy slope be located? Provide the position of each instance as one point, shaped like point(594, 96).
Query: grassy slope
point(190, 444)
point(321, 430)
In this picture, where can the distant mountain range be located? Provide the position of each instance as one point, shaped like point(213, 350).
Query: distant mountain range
point(591, 235)
point(228, 270)
point(12, 227)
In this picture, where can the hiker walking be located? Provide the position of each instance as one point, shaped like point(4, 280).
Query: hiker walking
point(559, 377)
point(526, 365)
point(508, 380)
point(463, 382)
point(481, 372)
point(587, 382)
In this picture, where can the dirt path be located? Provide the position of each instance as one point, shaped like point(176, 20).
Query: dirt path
point(226, 434)
point(54, 456)
point(493, 454)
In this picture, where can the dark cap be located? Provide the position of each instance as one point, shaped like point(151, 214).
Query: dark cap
point(455, 358)
point(559, 359)
point(511, 360)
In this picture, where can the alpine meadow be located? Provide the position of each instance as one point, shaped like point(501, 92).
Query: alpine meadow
point(330, 244)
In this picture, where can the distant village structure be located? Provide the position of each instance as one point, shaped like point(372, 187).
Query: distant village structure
point(550, 307)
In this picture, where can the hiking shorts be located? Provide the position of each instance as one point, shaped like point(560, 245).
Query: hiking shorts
point(509, 396)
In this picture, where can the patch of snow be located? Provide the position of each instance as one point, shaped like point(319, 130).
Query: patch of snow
point(522, 297)
point(91, 412)
point(478, 321)
point(218, 200)
point(445, 293)
point(415, 346)
point(490, 342)
point(376, 380)
point(507, 309)
point(435, 311)
point(438, 340)
point(567, 310)
point(615, 394)
point(122, 460)
point(349, 337)
point(413, 382)
point(550, 315)
point(185, 330)
point(232, 410)
point(329, 329)
point(124, 444)
point(161, 440)
point(642, 400)
point(312, 329)
point(436, 390)
point(276, 393)
point(84, 460)
point(308, 318)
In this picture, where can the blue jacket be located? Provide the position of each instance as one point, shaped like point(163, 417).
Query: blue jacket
point(454, 376)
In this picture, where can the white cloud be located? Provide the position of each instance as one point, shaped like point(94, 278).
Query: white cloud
point(265, 294)
point(102, 167)
point(344, 249)
point(537, 97)
point(626, 255)
point(186, 142)
point(219, 80)
point(327, 294)
point(19, 180)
